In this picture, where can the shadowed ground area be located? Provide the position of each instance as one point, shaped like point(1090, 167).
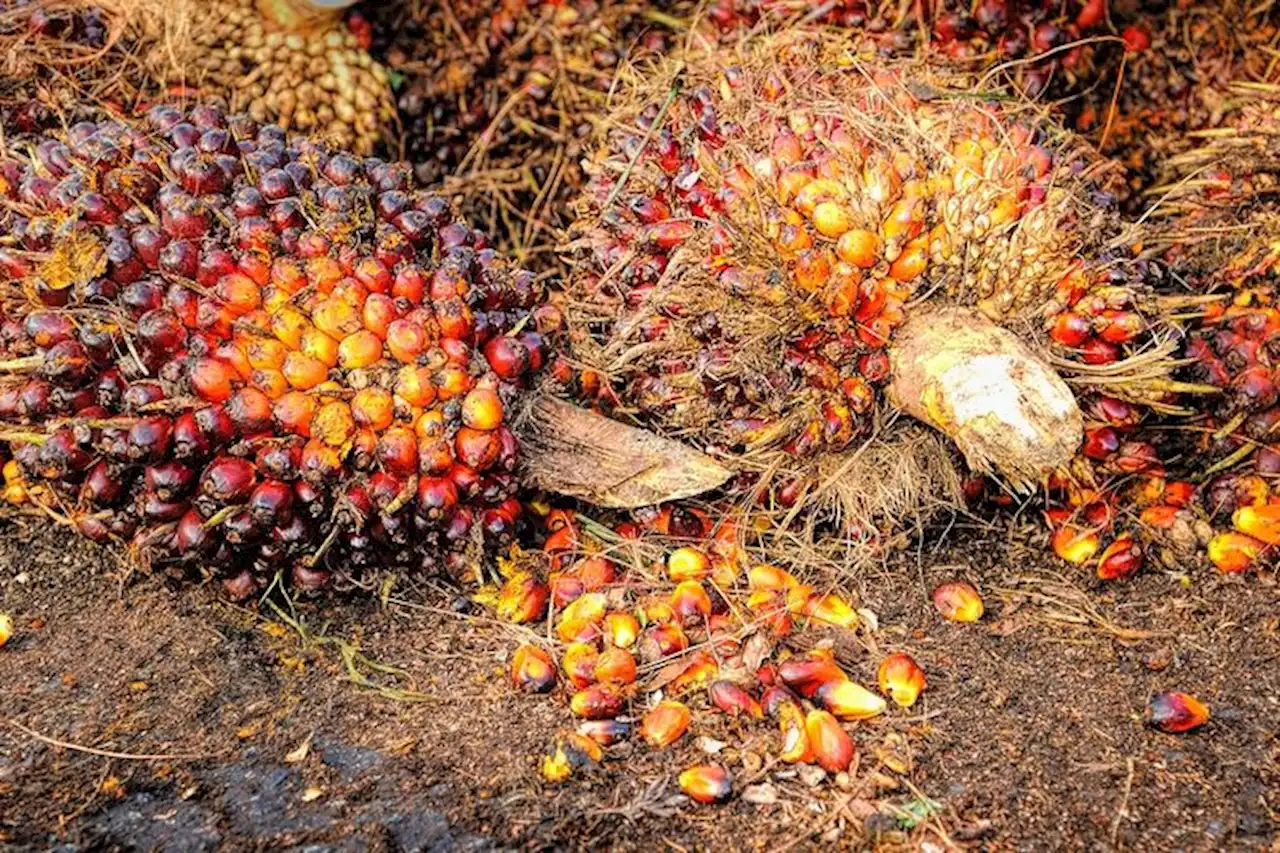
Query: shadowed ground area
point(199, 725)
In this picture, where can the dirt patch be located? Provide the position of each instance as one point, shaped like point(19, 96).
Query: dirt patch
point(1029, 735)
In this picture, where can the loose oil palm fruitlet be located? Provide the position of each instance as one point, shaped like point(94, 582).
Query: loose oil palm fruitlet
point(251, 353)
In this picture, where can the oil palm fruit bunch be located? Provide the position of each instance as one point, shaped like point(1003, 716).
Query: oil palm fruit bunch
point(292, 63)
point(666, 626)
point(771, 269)
point(250, 352)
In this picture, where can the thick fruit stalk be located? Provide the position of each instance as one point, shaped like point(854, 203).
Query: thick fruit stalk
point(1005, 408)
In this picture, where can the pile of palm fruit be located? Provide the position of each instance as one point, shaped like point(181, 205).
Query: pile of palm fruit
point(255, 355)
point(249, 353)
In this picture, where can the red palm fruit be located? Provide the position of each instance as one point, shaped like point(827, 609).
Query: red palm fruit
point(849, 700)
point(1071, 329)
point(621, 630)
point(665, 723)
point(579, 664)
point(1121, 559)
point(1176, 712)
point(532, 670)
point(706, 783)
point(661, 641)
point(901, 679)
point(212, 379)
point(734, 700)
point(565, 588)
point(228, 480)
point(1234, 553)
point(958, 601)
point(616, 666)
point(522, 599)
point(508, 357)
point(1259, 521)
point(1100, 443)
point(806, 673)
point(597, 702)
point(830, 743)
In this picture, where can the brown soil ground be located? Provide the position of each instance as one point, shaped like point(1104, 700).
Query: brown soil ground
point(1029, 736)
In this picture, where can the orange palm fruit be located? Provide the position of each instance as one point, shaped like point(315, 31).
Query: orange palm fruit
point(1075, 545)
point(831, 744)
point(582, 613)
point(849, 700)
point(702, 669)
point(689, 601)
point(579, 664)
point(766, 577)
point(1260, 522)
point(706, 783)
point(1233, 553)
point(571, 751)
point(734, 700)
point(532, 670)
point(958, 601)
point(665, 723)
point(597, 702)
point(686, 564)
point(621, 630)
point(901, 679)
point(1176, 712)
point(522, 599)
point(616, 666)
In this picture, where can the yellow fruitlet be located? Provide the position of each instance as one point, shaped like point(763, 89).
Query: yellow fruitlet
point(901, 678)
point(849, 700)
point(664, 724)
point(1260, 522)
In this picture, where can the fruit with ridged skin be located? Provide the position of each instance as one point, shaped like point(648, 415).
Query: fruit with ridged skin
point(198, 408)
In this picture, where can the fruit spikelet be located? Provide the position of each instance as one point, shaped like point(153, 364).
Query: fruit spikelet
point(271, 368)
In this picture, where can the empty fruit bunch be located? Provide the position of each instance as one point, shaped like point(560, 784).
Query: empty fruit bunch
point(781, 246)
point(501, 96)
point(251, 353)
